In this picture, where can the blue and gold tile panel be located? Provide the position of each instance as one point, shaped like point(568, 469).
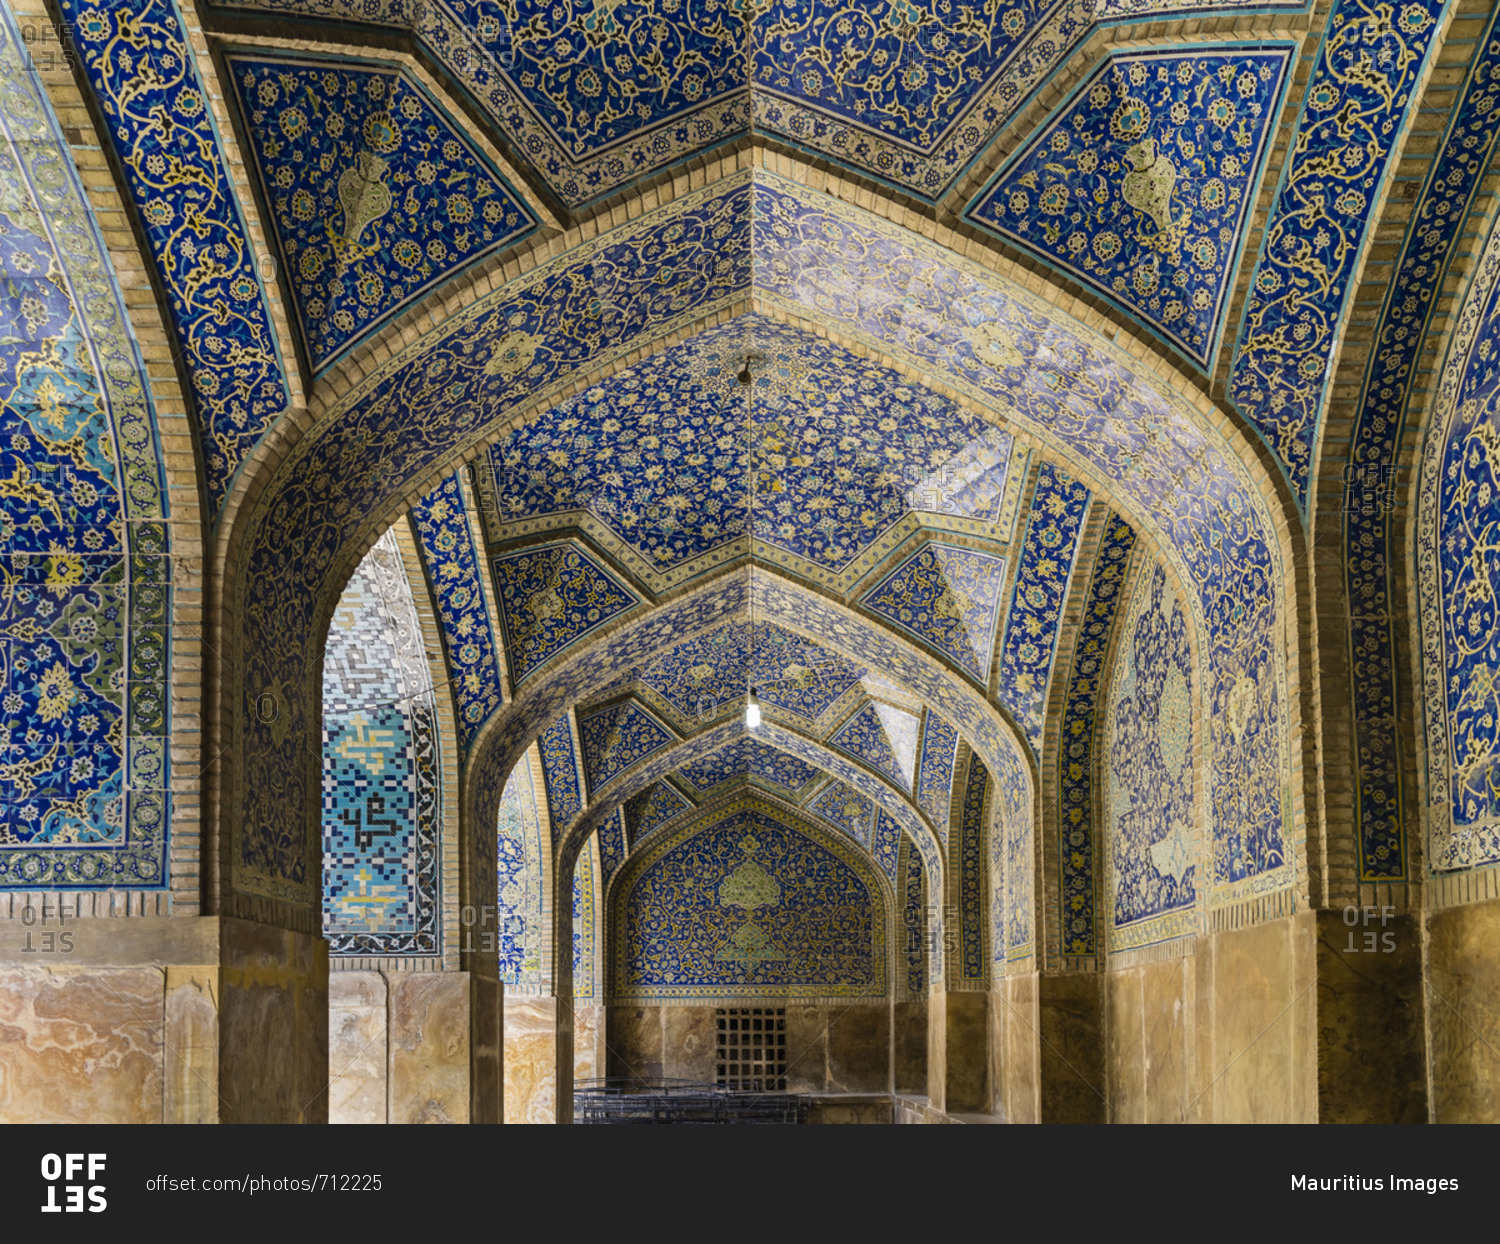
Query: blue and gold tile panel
point(1370, 557)
point(375, 194)
point(705, 676)
point(1080, 824)
point(550, 598)
point(612, 848)
point(141, 70)
point(85, 570)
point(381, 773)
point(741, 902)
point(1043, 571)
point(651, 809)
point(560, 771)
point(1140, 185)
point(947, 598)
point(974, 897)
point(935, 771)
point(885, 846)
point(848, 809)
point(749, 756)
point(585, 908)
point(453, 569)
point(1355, 110)
point(1012, 863)
point(882, 736)
point(1147, 751)
point(912, 892)
point(616, 738)
point(525, 864)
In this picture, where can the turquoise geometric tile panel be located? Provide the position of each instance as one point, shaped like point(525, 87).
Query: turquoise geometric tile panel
point(1147, 748)
point(1370, 540)
point(454, 574)
point(702, 676)
point(85, 569)
point(1080, 824)
point(143, 76)
point(376, 195)
point(847, 809)
point(618, 737)
point(1140, 184)
point(525, 861)
point(1356, 108)
point(560, 770)
point(651, 809)
point(550, 598)
point(973, 896)
point(885, 846)
point(740, 902)
point(381, 772)
point(884, 738)
point(750, 756)
point(947, 598)
point(1042, 575)
point(935, 772)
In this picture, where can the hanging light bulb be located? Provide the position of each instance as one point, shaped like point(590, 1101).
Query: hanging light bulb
point(752, 711)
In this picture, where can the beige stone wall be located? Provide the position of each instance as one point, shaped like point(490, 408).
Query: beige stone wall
point(830, 1049)
point(1463, 1013)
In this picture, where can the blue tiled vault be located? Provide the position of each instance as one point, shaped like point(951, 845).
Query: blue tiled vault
point(651, 809)
point(617, 738)
point(560, 771)
point(453, 569)
point(947, 598)
point(375, 194)
point(883, 737)
point(1140, 184)
point(1080, 824)
point(525, 865)
point(1355, 108)
point(167, 146)
point(1370, 559)
point(1043, 571)
point(935, 771)
point(550, 598)
point(848, 809)
point(85, 582)
point(750, 756)
point(1147, 749)
point(381, 772)
point(746, 901)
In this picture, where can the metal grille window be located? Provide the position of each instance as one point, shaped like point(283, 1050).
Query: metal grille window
point(752, 1049)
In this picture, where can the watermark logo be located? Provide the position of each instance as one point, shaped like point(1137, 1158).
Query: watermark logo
point(74, 1196)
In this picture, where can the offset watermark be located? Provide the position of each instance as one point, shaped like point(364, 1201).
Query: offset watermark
point(44, 931)
point(1367, 932)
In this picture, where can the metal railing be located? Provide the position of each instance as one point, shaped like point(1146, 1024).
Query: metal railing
point(631, 1099)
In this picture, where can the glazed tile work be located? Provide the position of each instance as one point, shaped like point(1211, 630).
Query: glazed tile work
point(948, 598)
point(550, 598)
point(524, 869)
point(744, 900)
point(585, 905)
point(847, 809)
point(1081, 823)
point(1140, 184)
point(913, 891)
point(616, 738)
point(873, 735)
point(1458, 495)
point(1011, 857)
point(1149, 788)
point(85, 576)
point(375, 194)
point(886, 848)
point(651, 809)
point(1356, 107)
point(454, 574)
point(660, 456)
point(935, 771)
point(1370, 498)
point(142, 75)
point(381, 773)
point(974, 897)
point(560, 772)
point(707, 676)
point(668, 267)
point(612, 848)
point(1043, 571)
point(750, 756)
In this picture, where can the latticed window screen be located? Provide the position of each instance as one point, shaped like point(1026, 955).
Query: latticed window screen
point(752, 1049)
